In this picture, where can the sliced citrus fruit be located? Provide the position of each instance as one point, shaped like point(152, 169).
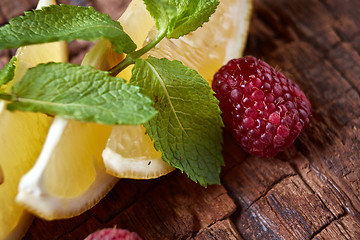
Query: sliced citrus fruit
point(21, 138)
point(69, 176)
point(130, 152)
point(132, 155)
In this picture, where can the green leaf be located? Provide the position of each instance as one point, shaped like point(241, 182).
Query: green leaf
point(179, 17)
point(188, 126)
point(8, 71)
point(64, 22)
point(82, 93)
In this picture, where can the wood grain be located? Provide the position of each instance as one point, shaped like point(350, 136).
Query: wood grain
point(311, 191)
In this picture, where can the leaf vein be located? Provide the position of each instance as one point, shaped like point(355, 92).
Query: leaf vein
point(161, 81)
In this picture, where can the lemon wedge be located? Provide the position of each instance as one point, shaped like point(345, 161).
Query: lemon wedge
point(69, 176)
point(130, 152)
point(22, 138)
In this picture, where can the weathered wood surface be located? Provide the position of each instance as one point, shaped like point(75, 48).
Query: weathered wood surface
point(311, 191)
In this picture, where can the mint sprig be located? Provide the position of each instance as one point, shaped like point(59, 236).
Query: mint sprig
point(175, 104)
point(64, 22)
point(82, 93)
point(187, 129)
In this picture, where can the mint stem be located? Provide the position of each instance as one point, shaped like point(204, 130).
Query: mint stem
point(131, 57)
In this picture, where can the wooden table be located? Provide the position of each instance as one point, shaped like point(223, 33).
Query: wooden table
point(311, 191)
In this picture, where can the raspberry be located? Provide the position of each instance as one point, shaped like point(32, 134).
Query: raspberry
point(113, 234)
point(264, 110)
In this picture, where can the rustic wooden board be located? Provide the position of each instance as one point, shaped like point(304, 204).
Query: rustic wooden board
point(311, 191)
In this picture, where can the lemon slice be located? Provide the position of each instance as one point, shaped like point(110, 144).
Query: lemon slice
point(129, 152)
point(134, 156)
point(69, 176)
point(21, 138)
point(205, 50)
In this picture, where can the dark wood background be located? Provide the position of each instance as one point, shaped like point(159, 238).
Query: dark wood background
point(311, 191)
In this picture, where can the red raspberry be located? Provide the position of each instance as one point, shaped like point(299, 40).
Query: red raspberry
point(264, 110)
point(113, 234)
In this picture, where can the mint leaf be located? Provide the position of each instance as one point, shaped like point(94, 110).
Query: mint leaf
point(179, 17)
point(7, 72)
point(64, 22)
point(187, 129)
point(82, 93)
point(162, 11)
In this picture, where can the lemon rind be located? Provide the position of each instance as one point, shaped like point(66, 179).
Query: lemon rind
point(135, 168)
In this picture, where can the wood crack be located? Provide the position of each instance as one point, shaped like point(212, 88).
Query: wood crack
point(327, 225)
point(334, 65)
point(336, 190)
point(269, 188)
point(281, 219)
point(295, 168)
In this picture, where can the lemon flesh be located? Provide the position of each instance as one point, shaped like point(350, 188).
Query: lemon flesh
point(130, 152)
point(22, 138)
point(134, 155)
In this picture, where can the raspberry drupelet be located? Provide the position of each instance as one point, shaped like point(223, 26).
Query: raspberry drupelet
point(264, 110)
